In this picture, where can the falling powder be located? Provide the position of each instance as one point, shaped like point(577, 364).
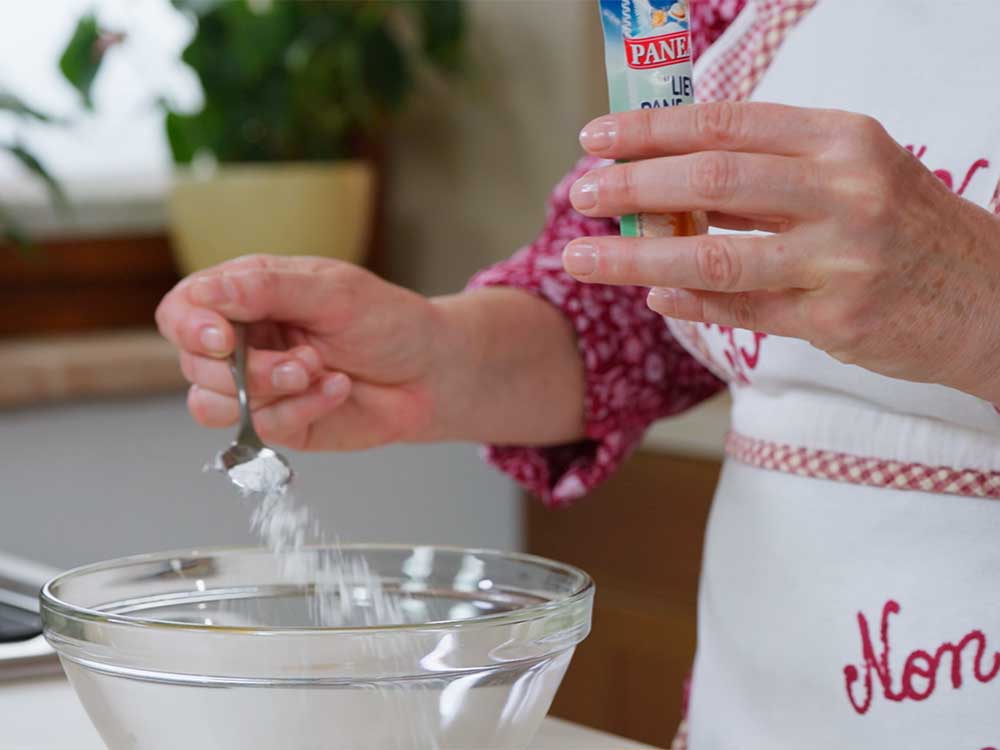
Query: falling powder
point(346, 592)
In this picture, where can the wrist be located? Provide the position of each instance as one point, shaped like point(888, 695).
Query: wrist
point(456, 355)
point(978, 355)
point(505, 370)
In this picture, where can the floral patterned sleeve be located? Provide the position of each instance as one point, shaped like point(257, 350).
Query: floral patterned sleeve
point(636, 372)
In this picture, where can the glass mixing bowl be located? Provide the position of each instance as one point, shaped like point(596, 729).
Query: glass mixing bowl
point(217, 649)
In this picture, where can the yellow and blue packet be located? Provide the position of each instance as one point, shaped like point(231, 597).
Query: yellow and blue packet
point(647, 45)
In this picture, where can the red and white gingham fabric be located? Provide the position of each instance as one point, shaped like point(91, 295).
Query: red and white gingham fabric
point(865, 470)
point(734, 75)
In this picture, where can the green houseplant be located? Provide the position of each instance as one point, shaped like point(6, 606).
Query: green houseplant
point(296, 98)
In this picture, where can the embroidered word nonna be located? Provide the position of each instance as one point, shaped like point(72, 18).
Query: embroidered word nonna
point(922, 670)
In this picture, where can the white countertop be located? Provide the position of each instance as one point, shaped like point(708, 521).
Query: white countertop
point(44, 714)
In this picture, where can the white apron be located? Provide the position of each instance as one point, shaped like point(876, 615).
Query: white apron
point(850, 594)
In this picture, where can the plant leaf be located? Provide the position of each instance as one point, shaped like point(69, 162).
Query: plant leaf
point(307, 80)
point(256, 41)
point(190, 134)
point(12, 232)
point(81, 60)
point(33, 165)
point(442, 24)
point(387, 77)
point(17, 106)
point(183, 144)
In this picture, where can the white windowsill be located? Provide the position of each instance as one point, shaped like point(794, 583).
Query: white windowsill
point(106, 208)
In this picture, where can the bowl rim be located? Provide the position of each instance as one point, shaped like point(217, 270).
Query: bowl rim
point(50, 602)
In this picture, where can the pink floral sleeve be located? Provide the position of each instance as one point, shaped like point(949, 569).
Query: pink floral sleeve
point(636, 372)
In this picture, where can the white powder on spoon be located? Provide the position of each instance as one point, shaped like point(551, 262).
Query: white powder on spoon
point(264, 474)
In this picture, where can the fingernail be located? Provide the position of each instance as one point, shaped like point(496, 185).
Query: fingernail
point(580, 258)
point(664, 300)
point(289, 377)
point(206, 291)
point(214, 340)
point(599, 135)
point(335, 385)
point(583, 194)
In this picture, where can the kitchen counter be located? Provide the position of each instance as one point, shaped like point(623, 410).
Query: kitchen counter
point(44, 714)
point(46, 369)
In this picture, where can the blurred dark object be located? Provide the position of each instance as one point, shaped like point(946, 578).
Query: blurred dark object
point(85, 284)
point(292, 81)
point(12, 106)
point(640, 538)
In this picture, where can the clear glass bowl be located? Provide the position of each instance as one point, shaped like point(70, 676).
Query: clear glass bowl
point(217, 649)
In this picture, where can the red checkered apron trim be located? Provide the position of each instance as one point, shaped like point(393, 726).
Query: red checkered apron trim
point(736, 72)
point(866, 470)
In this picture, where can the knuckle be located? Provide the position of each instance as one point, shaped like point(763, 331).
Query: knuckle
point(618, 262)
point(646, 127)
point(198, 407)
point(298, 440)
point(188, 367)
point(713, 176)
point(719, 123)
point(268, 422)
point(860, 136)
point(718, 266)
point(625, 187)
point(250, 287)
point(864, 130)
point(345, 273)
point(869, 198)
point(346, 284)
point(838, 325)
point(741, 308)
point(280, 423)
point(251, 261)
point(845, 347)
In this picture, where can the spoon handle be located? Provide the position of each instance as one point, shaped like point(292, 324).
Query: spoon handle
point(238, 365)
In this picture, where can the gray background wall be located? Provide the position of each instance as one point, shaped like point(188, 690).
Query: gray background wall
point(90, 481)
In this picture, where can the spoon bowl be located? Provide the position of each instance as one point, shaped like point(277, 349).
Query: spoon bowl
point(251, 465)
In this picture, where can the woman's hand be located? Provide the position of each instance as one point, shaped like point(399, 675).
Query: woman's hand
point(870, 257)
point(339, 359)
point(342, 360)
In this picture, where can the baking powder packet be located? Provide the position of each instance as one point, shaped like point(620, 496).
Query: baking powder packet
point(647, 46)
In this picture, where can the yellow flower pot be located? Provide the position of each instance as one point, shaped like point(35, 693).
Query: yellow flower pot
point(307, 208)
